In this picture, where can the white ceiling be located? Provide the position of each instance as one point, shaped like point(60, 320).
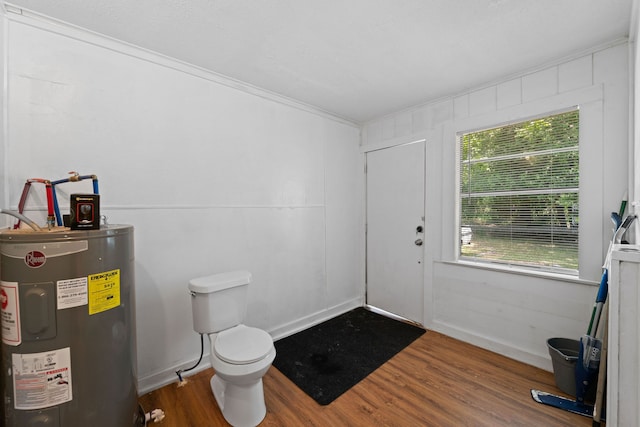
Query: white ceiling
point(358, 59)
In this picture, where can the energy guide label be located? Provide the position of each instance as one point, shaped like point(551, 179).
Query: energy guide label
point(43, 379)
point(104, 291)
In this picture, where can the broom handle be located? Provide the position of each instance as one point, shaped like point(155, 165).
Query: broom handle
point(602, 372)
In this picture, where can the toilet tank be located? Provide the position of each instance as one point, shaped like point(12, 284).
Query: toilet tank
point(219, 301)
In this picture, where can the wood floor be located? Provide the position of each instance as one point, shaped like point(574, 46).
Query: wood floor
point(436, 381)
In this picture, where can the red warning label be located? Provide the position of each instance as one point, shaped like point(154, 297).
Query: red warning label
point(10, 313)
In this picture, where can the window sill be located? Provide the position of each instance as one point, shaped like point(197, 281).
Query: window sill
point(522, 272)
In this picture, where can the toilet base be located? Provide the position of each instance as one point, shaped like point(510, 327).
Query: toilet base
point(241, 405)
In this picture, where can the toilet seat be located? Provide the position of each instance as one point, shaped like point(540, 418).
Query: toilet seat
point(242, 345)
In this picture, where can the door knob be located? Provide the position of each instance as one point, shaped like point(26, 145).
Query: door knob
point(418, 242)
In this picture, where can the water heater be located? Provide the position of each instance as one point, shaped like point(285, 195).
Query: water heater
point(68, 328)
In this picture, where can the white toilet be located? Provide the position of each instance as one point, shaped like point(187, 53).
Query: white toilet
point(240, 355)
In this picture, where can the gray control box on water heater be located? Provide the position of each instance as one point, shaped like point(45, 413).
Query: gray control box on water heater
point(68, 328)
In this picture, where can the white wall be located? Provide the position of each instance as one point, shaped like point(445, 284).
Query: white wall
point(213, 174)
point(3, 161)
point(505, 310)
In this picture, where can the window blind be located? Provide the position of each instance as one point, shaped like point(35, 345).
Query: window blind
point(519, 187)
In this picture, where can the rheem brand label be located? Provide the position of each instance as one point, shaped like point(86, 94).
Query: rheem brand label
point(35, 259)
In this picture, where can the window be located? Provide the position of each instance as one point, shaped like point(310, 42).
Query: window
point(519, 193)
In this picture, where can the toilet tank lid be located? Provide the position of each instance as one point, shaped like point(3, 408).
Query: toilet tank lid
point(218, 282)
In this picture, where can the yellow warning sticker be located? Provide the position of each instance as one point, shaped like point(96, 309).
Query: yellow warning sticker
point(104, 291)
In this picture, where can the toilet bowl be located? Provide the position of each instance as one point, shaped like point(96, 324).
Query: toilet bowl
point(240, 355)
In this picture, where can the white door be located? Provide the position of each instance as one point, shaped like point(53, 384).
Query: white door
point(395, 225)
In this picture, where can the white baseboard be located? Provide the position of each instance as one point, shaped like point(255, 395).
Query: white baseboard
point(168, 376)
point(313, 319)
point(491, 344)
point(162, 378)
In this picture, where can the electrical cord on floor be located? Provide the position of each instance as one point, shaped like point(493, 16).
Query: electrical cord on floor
point(180, 371)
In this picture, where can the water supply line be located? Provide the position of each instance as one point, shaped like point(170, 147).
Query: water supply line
point(23, 199)
point(22, 218)
point(75, 177)
point(179, 372)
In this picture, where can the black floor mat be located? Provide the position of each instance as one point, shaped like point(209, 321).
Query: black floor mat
point(328, 359)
